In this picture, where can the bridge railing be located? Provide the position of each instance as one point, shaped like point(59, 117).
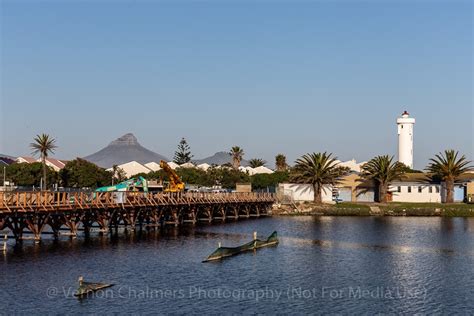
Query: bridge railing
point(50, 201)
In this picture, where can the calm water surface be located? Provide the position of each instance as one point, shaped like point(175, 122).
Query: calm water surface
point(322, 265)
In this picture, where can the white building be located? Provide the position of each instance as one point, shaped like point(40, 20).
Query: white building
point(153, 166)
point(416, 192)
point(351, 164)
point(56, 164)
point(204, 166)
point(303, 192)
point(243, 169)
point(262, 169)
point(187, 165)
point(405, 139)
point(25, 159)
point(132, 168)
point(173, 165)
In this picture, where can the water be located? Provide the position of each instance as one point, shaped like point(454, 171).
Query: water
point(322, 265)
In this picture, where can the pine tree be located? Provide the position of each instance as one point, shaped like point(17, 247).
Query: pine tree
point(280, 162)
point(183, 154)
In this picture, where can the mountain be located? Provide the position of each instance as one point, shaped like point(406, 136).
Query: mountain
point(6, 160)
point(219, 158)
point(122, 150)
point(7, 156)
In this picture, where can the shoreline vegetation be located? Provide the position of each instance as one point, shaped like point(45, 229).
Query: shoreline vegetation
point(375, 209)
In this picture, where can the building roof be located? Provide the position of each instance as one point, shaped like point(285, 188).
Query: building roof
point(173, 165)
point(426, 178)
point(55, 162)
point(262, 169)
point(351, 164)
point(203, 166)
point(467, 177)
point(26, 159)
point(154, 166)
point(132, 168)
point(187, 165)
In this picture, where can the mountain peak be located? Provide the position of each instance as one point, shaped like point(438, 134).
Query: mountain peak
point(122, 150)
point(127, 139)
point(220, 158)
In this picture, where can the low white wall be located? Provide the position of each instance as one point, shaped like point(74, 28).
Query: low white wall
point(414, 196)
point(304, 192)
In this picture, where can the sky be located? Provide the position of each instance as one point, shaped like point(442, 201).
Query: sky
point(269, 76)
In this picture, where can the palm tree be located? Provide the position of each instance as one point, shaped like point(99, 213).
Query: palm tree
point(317, 169)
point(280, 162)
point(256, 162)
point(43, 145)
point(114, 172)
point(448, 167)
point(118, 174)
point(237, 153)
point(382, 170)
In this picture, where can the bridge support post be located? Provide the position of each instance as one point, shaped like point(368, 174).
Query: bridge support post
point(130, 218)
point(55, 221)
point(232, 212)
point(2, 222)
point(220, 210)
point(256, 210)
point(246, 212)
point(35, 223)
point(103, 219)
point(156, 217)
point(16, 224)
point(72, 221)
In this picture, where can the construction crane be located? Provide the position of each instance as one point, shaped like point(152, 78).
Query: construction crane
point(128, 185)
point(176, 185)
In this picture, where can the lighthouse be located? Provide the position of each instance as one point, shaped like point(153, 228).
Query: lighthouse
point(405, 139)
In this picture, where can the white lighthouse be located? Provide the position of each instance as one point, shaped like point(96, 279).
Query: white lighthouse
point(405, 139)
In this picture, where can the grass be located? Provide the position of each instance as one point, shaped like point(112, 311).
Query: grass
point(428, 209)
point(432, 205)
point(347, 205)
point(348, 209)
point(392, 209)
point(348, 212)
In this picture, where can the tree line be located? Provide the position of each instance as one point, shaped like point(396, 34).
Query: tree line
point(316, 169)
point(79, 173)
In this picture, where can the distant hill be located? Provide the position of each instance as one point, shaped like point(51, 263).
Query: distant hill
point(219, 158)
point(6, 160)
point(122, 150)
point(7, 156)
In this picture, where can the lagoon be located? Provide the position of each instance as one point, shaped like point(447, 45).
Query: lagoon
point(323, 264)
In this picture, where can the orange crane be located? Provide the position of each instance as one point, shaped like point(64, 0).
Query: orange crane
point(176, 185)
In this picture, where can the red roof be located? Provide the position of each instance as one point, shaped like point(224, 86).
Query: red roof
point(59, 164)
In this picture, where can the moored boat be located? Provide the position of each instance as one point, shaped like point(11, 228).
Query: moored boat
point(222, 252)
point(86, 288)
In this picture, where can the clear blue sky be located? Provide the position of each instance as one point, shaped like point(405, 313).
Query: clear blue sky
point(269, 76)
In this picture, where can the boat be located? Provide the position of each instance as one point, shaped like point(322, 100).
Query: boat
point(222, 252)
point(86, 288)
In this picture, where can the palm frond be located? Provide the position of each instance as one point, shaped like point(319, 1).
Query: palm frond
point(317, 168)
point(447, 165)
point(43, 145)
point(382, 169)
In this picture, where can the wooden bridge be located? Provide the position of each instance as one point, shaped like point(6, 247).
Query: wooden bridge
point(31, 212)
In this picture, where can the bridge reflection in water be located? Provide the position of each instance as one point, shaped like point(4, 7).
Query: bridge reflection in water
point(32, 212)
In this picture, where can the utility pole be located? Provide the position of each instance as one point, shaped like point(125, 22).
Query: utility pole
point(4, 177)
